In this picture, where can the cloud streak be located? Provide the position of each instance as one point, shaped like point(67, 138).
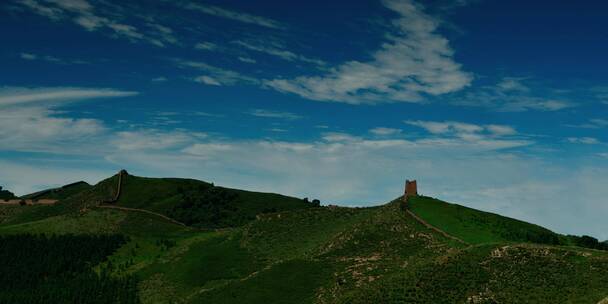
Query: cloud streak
point(91, 18)
point(11, 96)
point(236, 16)
point(511, 94)
point(274, 114)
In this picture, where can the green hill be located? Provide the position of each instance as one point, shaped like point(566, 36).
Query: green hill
point(201, 204)
point(6, 195)
point(476, 227)
point(277, 249)
point(59, 193)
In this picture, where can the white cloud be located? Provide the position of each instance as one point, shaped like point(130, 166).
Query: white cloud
point(11, 96)
point(52, 13)
point(84, 14)
point(511, 95)
point(489, 136)
point(206, 46)
point(247, 59)
point(150, 139)
point(274, 114)
point(29, 121)
point(595, 123)
point(160, 79)
point(49, 58)
point(437, 127)
point(41, 129)
point(236, 16)
point(583, 140)
point(28, 56)
point(214, 75)
point(415, 60)
point(527, 103)
point(511, 84)
point(501, 130)
point(382, 131)
point(277, 52)
point(208, 80)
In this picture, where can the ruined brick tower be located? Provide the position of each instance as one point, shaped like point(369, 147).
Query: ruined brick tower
point(411, 189)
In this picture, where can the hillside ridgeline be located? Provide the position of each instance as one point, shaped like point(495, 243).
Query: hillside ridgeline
point(278, 249)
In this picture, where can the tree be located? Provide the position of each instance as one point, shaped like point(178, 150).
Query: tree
point(316, 202)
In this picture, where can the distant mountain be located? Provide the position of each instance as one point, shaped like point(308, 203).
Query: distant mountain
point(247, 247)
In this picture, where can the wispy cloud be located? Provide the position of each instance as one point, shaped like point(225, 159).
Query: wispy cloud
point(206, 46)
point(215, 76)
point(274, 114)
point(247, 59)
point(583, 140)
point(49, 58)
point(382, 131)
point(236, 16)
point(277, 52)
point(160, 79)
point(152, 139)
point(497, 136)
point(87, 16)
point(415, 60)
point(10, 96)
point(595, 123)
point(511, 94)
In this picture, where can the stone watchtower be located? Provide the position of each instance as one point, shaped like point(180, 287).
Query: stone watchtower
point(411, 189)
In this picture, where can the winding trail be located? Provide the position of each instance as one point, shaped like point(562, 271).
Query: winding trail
point(143, 211)
point(121, 176)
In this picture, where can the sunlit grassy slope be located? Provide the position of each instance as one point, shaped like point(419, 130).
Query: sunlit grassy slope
point(475, 227)
point(324, 254)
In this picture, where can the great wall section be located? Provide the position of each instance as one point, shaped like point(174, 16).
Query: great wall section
point(122, 175)
point(411, 190)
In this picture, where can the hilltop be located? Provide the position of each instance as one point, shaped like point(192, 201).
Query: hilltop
point(201, 243)
point(6, 195)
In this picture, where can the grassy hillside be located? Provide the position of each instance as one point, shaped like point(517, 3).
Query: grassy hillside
point(202, 204)
point(476, 227)
point(306, 254)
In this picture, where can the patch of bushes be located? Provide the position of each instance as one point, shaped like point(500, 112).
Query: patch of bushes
point(588, 242)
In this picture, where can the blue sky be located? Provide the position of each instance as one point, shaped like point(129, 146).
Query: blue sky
point(497, 105)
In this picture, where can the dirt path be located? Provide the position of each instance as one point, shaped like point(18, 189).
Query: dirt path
point(143, 211)
point(427, 225)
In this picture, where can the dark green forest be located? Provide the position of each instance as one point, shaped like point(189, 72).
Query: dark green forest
point(59, 269)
